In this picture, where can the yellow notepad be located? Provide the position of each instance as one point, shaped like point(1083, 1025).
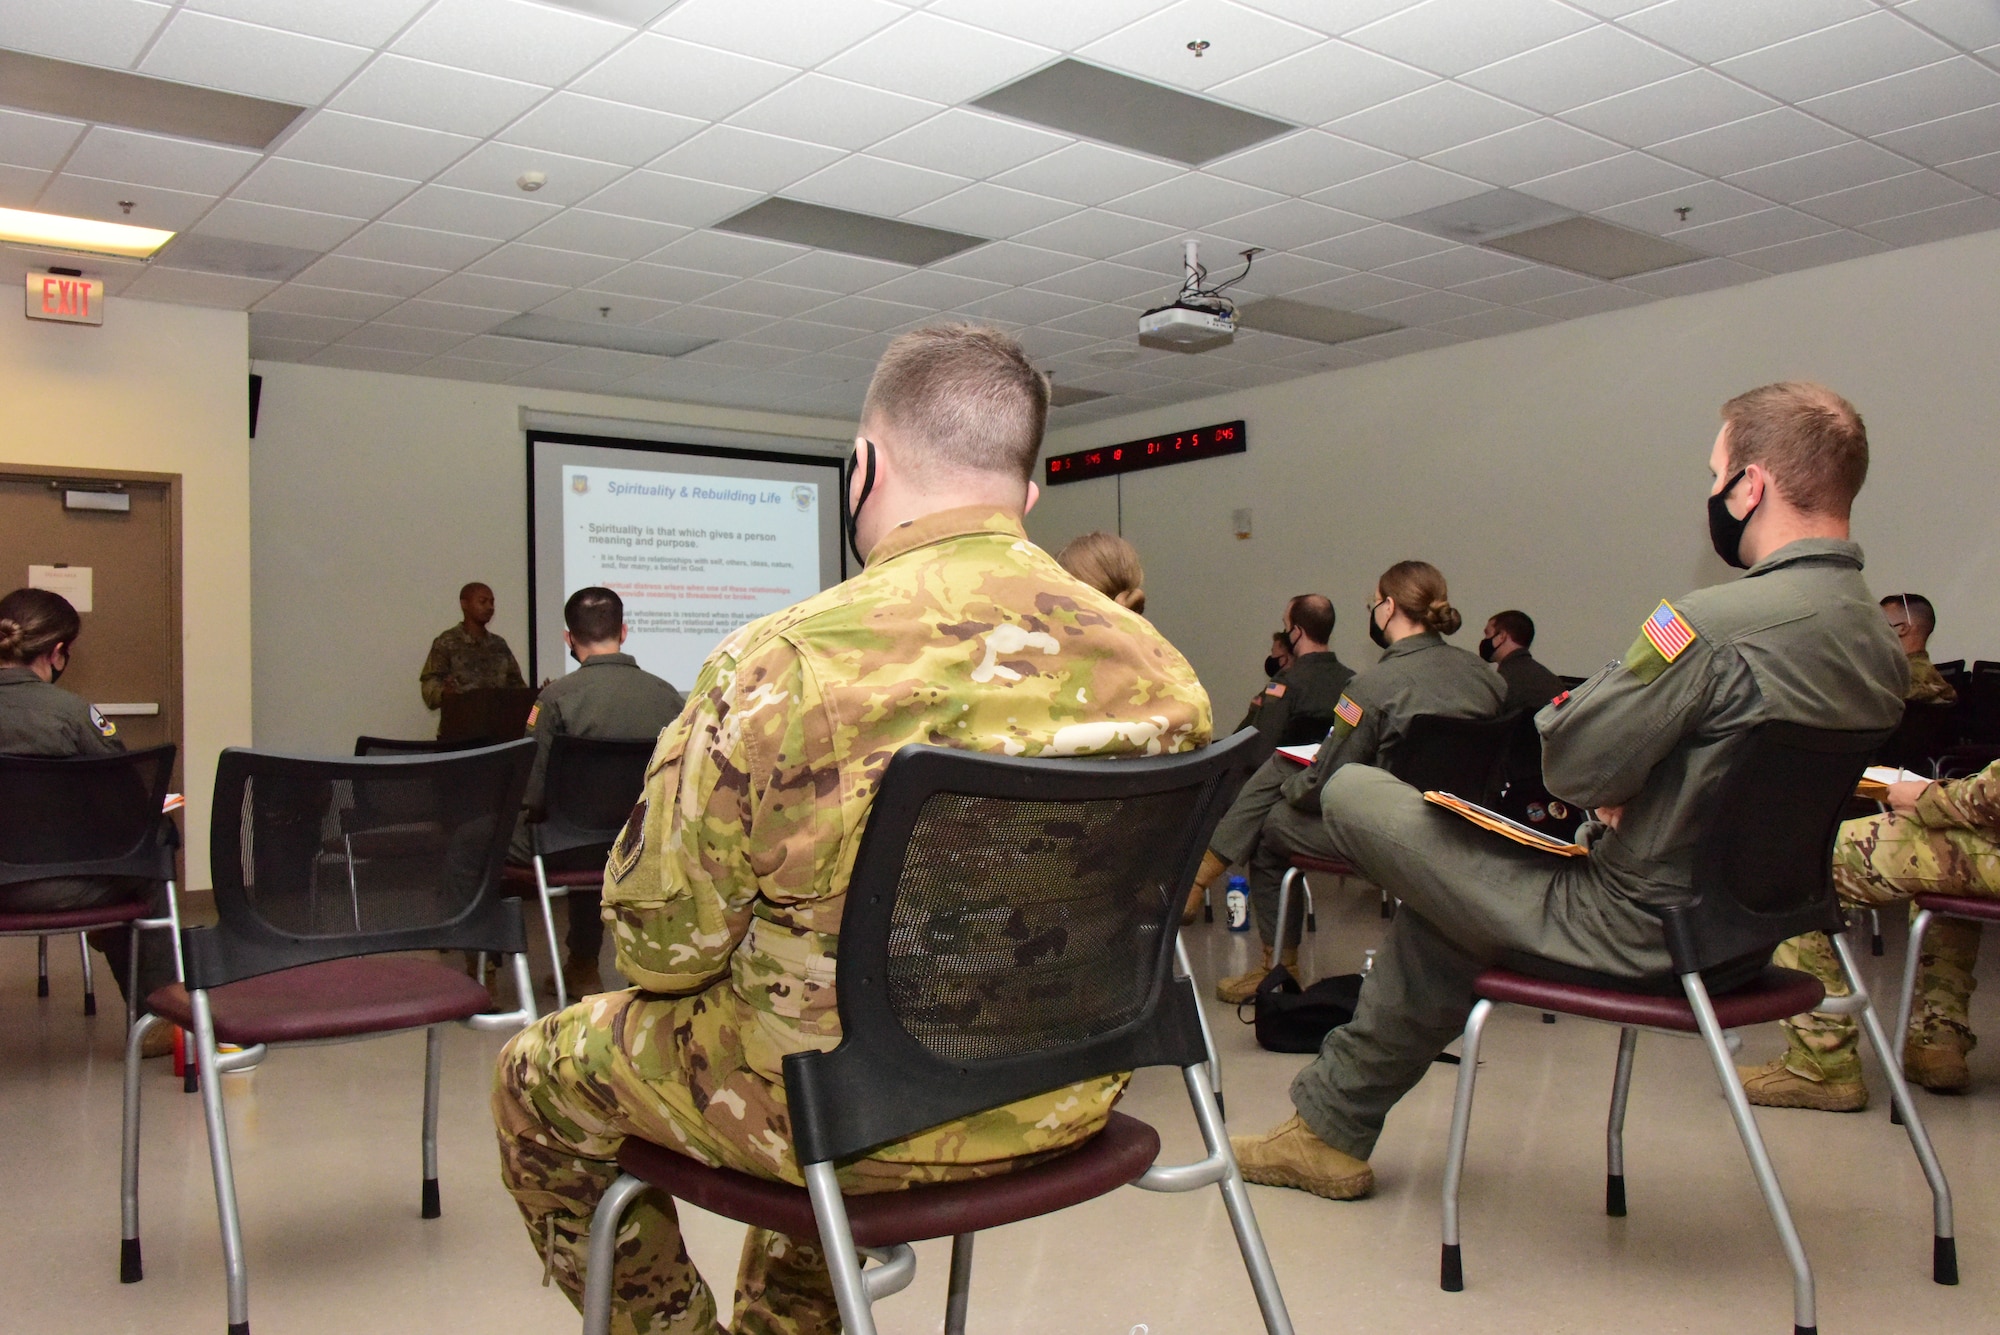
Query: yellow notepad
point(1510, 829)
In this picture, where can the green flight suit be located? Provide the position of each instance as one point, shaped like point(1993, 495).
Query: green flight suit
point(608, 696)
point(1799, 638)
point(1297, 705)
point(1277, 813)
point(1529, 684)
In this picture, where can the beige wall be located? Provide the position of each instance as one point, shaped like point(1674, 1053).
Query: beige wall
point(374, 498)
point(1563, 470)
point(159, 389)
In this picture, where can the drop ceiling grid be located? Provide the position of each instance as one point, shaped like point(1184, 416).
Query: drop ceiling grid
point(1796, 135)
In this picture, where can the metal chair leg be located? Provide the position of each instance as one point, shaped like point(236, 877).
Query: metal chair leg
point(1944, 1246)
point(353, 883)
point(41, 966)
point(1236, 1199)
point(1451, 1266)
point(1208, 904)
point(132, 979)
point(1803, 1319)
point(433, 1085)
point(1284, 910)
point(1614, 1134)
point(1207, 1034)
point(1920, 927)
point(549, 928)
point(225, 1176)
point(597, 1275)
point(843, 1262)
point(958, 1291)
point(130, 1267)
point(1312, 915)
point(89, 979)
point(1388, 905)
point(1874, 931)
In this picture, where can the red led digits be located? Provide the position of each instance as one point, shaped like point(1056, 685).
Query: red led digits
point(1152, 452)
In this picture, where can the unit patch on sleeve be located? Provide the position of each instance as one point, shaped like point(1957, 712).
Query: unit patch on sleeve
point(104, 726)
point(631, 843)
point(1663, 637)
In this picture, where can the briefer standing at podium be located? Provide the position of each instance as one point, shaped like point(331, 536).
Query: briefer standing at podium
point(469, 657)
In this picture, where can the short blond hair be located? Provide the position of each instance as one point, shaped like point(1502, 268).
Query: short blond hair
point(1811, 440)
point(964, 396)
point(1109, 564)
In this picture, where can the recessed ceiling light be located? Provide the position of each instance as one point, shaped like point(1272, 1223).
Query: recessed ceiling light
point(1599, 249)
point(140, 102)
point(850, 233)
point(617, 337)
point(83, 236)
point(1118, 109)
point(1302, 319)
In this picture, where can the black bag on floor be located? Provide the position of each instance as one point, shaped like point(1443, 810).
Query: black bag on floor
point(1289, 1018)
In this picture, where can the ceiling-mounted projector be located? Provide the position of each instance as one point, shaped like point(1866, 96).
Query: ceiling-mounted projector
point(1200, 318)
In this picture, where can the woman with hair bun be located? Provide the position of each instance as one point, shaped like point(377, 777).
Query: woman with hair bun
point(1277, 813)
point(1109, 564)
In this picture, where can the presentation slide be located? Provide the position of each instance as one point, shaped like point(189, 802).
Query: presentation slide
point(697, 541)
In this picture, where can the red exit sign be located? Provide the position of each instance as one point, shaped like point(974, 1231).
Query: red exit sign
point(75, 300)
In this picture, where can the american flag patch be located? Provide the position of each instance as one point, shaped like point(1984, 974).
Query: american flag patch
point(1667, 632)
point(1348, 712)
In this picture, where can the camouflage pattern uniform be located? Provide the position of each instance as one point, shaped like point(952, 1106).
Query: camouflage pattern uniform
point(471, 664)
point(1951, 846)
point(725, 891)
point(1927, 684)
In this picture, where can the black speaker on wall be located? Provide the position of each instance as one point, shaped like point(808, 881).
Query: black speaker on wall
point(256, 397)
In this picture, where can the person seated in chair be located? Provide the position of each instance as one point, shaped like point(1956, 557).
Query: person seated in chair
point(1644, 742)
point(610, 696)
point(726, 888)
point(1109, 564)
point(1505, 645)
point(1914, 620)
point(1937, 838)
point(1277, 813)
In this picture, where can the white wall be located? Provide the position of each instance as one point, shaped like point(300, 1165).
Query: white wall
point(373, 498)
point(1563, 470)
point(159, 389)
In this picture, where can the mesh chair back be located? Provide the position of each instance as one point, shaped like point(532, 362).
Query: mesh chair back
point(85, 816)
point(1453, 755)
point(365, 745)
point(298, 881)
point(1926, 732)
point(1981, 694)
point(589, 788)
point(386, 808)
point(1763, 868)
point(1960, 762)
point(1009, 930)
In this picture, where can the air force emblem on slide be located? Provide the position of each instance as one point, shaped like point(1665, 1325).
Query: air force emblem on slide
point(580, 484)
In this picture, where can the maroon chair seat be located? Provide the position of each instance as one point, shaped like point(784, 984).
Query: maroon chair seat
point(371, 994)
point(1958, 906)
point(1307, 862)
point(1772, 995)
point(1113, 1158)
point(72, 920)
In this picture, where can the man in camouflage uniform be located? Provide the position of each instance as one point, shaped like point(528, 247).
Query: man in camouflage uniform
point(1937, 838)
point(468, 657)
point(725, 891)
point(1914, 620)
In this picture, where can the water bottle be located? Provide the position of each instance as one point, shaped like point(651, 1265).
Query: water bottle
point(1367, 963)
point(1236, 902)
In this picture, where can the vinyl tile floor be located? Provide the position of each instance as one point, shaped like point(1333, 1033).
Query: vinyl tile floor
point(326, 1153)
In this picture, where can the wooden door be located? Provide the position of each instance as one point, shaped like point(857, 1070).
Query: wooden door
point(127, 659)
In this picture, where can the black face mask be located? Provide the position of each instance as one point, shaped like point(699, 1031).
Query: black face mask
point(1375, 631)
point(1725, 530)
point(850, 514)
point(1272, 666)
point(1486, 648)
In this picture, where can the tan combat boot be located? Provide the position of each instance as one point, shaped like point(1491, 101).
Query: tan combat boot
point(1243, 986)
point(1212, 868)
point(1938, 1067)
point(1776, 1085)
point(1290, 1155)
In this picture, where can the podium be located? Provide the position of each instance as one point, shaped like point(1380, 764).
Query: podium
point(491, 714)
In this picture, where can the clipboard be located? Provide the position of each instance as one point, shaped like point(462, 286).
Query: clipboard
point(1875, 780)
point(1525, 835)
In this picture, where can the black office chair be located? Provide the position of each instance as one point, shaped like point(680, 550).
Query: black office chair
point(87, 816)
point(1980, 695)
point(943, 1014)
point(588, 789)
point(1927, 731)
point(272, 971)
point(1762, 874)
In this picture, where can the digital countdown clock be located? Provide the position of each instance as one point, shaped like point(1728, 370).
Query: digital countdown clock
point(1153, 452)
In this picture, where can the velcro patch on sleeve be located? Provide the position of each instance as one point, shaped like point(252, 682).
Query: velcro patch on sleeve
point(1348, 712)
point(631, 844)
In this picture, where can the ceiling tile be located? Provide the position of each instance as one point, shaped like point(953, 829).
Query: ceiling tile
point(1752, 231)
point(542, 265)
point(247, 58)
point(36, 141)
point(404, 338)
point(359, 275)
point(593, 306)
point(1891, 198)
point(1301, 163)
point(1193, 200)
point(97, 32)
point(1915, 229)
point(830, 271)
point(1454, 267)
point(1587, 66)
point(727, 253)
point(241, 220)
point(1870, 47)
point(1705, 201)
point(435, 97)
point(1919, 95)
point(1008, 262)
point(1526, 153)
point(459, 368)
point(808, 336)
point(449, 209)
point(603, 234)
point(1489, 323)
point(503, 351)
point(1290, 224)
point(1701, 276)
point(875, 186)
point(657, 197)
point(1981, 173)
point(1096, 234)
point(1323, 83)
point(702, 322)
point(1616, 180)
point(1105, 281)
point(363, 22)
point(932, 57)
point(1102, 322)
point(969, 143)
point(1431, 120)
point(591, 127)
point(1240, 40)
point(1525, 285)
point(870, 313)
point(822, 110)
point(1409, 188)
point(1028, 306)
point(1811, 252)
point(304, 299)
point(581, 382)
point(281, 349)
point(1713, 30)
point(1756, 141)
point(369, 359)
point(1965, 135)
point(184, 287)
point(495, 169)
point(1593, 300)
point(532, 43)
point(1670, 109)
point(1058, 23)
point(705, 83)
point(1282, 275)
point(1089, 174)
point(416, 245)
point(1970, 23)
point(984, 209)
point(759, 296)
point(729, 155)
point(1374, 247)
point(799, 33)
point(336, 139)
point(88, 197)
point(1450, 37)
point(20, 185)
point(1849, 164)
point(304, 328)
point(308, 185)
point(505, 294)
point(660, 282)
point(150, 159)
point(1403, 342)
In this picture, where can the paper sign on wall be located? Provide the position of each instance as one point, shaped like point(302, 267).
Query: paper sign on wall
point(72, 582)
